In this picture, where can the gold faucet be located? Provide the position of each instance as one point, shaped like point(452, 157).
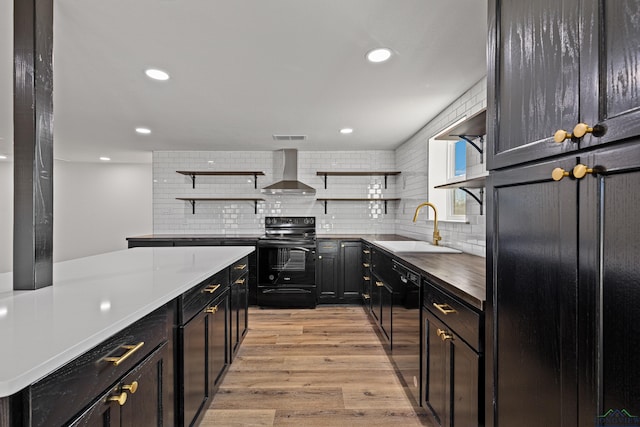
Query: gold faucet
point(436, 233)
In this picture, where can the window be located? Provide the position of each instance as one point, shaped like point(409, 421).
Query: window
point(447, 163)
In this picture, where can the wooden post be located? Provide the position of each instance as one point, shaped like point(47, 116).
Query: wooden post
point(33, 144)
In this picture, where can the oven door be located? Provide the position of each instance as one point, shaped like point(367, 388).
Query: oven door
point(284, 264)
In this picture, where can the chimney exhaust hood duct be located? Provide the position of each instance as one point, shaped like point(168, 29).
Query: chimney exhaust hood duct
point(287, 161)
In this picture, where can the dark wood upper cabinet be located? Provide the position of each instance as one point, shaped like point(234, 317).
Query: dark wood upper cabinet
point(555, 64)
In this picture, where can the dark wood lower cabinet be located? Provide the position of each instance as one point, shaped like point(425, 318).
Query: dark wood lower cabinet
point(204, 357)
point(238, 313)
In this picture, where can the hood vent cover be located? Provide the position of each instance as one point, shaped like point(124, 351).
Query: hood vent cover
point(285, 162)
point(289, 137)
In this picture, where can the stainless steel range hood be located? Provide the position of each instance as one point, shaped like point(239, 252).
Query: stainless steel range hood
point(285, 165)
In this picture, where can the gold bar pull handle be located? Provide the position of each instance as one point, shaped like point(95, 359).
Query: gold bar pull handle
point(365, 265)
point(240, 267)
point(365, 251)
point(366, 278)
point(366, 296)
point(120, 398)
point(379, 284)
point(444, 308)
point(131, 388)
point(240, 281)
point(130, 350)
point(444, 335)
point(211, 310)
point(211, 289)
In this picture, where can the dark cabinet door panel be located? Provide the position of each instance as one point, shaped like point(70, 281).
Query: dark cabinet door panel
point(610, 86)
point(467, 409)
point(351, 271)
point(535, 72)
point(194, 367)
point(535, 325)
point(437, 387)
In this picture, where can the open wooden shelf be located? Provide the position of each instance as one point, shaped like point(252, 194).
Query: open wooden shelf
point(464, 185)
point(357, 173)
point(473, 127)
point(193, 175)
point(345, 199)
point(193, 201)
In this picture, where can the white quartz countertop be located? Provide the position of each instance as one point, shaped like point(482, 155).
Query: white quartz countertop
point(91, 299)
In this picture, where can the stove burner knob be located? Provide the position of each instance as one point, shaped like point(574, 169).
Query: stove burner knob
point(271, 277)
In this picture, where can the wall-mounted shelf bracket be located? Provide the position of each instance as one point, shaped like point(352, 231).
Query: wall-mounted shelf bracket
point(479, 148)
point(476, 198)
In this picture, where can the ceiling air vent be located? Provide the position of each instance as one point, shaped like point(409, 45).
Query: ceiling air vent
point(289, 137)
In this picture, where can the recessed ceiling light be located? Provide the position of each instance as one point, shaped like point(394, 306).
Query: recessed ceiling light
point(144, 131)
point(346, 130)
point(3, 157)
point(379, 55)
point(157, 74)
point(105, 159)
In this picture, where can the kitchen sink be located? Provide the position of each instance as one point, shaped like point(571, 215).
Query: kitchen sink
point(414, 246)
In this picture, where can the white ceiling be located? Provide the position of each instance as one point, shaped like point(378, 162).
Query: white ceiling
point(243, 70)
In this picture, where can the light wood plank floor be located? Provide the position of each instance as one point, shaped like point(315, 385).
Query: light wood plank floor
point(322, 367)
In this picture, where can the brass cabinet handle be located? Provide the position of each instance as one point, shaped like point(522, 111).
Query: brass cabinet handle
point(580, 170)
point(444, 335)
point(366, 251)
point(558, 173)
point(130, 350)
point(240, 267)
point(121, 398)
point(365, 265)
point(444, 308)
point(211, 310)
point(211, 289)
point(366, 296)
point(366, 278)
point(561, 135)
point(131, 388)
point(240, 281)
point(379, 284)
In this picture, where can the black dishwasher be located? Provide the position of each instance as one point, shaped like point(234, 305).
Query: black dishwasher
point(406, 328)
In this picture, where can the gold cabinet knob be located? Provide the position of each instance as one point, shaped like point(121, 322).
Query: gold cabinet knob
point(120, 398)
point(131, 388)
point(365, 265)
point(558, 173)
point(366, 278)
point(561, 135)
point(366, 296)
point(581, 129)
point(379, 284)
point(580, 171)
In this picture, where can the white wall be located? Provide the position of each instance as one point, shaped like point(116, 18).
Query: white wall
point(412, 160)
point(96, 206)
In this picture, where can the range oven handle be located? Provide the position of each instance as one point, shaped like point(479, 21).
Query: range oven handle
point(287, 291)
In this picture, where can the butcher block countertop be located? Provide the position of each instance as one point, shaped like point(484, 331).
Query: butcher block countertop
point(90, 300)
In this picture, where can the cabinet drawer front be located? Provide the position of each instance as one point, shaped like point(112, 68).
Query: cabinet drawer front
point(196, 299)
point(461, 319)
point(64, 393)
point(239, 268)
point(327, 246)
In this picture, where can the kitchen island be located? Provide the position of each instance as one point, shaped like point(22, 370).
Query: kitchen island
point(92, 300)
